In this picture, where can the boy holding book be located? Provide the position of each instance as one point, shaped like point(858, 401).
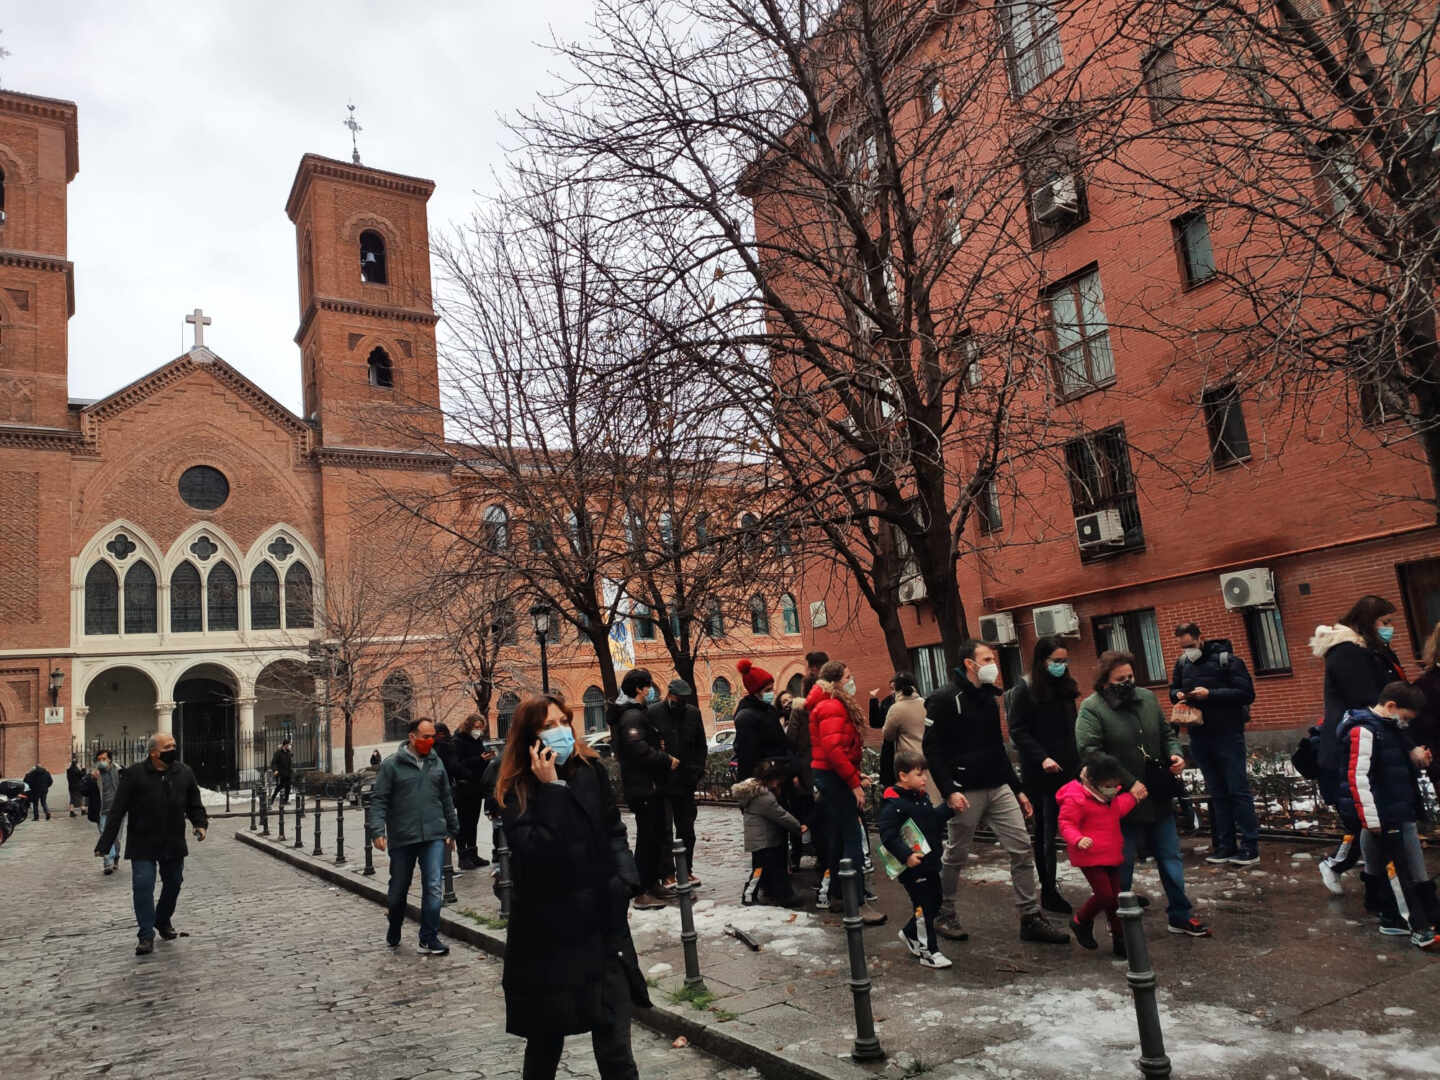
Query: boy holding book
point(912, 832)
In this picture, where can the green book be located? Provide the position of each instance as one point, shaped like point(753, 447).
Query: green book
point(914, 839)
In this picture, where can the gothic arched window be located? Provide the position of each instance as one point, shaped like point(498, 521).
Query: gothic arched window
point(299, 597)
point(185, 605)
point(594, 702)
point(397, 698)
point(264, 598)
point(140, 599)
point(789, 614)
point(505, 712)
point(372, 258)
point(497, 529)
point(381, 373)
point(222, 598)
point(759, 616)
point(102, 600)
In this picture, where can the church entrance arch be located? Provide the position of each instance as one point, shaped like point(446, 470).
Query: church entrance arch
point(205, 723)
point(120, 713)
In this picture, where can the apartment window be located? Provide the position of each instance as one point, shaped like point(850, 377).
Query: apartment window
point(1083, 360)
point(1338, 179)
point(715, 621)
point(644, 624)
point(928, 664)
point(1162, 80)
point(1420, 593)
point(1225, 422)
point(987, 507)
point(1381, 398)
point(1192, 237)
point(1098, 468)
point(967, 357)
point(1134, 632)
point(1032, 38)
point(932, 103)
point(1054, 187)
point(759, 615)
point(1267, 640)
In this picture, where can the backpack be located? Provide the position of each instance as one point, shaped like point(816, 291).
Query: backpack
point(1306, 758)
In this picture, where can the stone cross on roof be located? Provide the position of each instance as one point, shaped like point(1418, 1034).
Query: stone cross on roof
point(199, 320)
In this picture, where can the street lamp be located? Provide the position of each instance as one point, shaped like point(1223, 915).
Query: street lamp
point(540, 616)
point(57, 680)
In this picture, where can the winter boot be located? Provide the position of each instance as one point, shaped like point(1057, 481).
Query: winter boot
point(1035, 927)
point(1084, 933)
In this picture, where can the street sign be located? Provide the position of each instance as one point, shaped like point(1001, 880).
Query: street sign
point(55, 714)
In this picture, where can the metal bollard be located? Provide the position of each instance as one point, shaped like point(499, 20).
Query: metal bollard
point(318, 803)
point(299, 821)
point(1141, 977)
point(449, 897)
point(340, 832)
point(280, 822)
point(252, 807)
point(264, 812)
point(685, 892)
point(503, 884)
point(369, 856)
point(867, 1046)
point(227, 797)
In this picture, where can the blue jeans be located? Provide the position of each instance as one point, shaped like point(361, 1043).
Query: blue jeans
point(1164, 843)
point(149, 914)
point(113, 855)
point(1221, 757)
point(431, 856)
point(842, 826)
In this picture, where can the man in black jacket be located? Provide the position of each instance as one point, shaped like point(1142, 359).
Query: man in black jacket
point(75, 780)
point(157, 795)
point(682, 731)
point(645, 768)
point(39, 779)
point(1211, 678)
point(282, 766)
point(968, 762)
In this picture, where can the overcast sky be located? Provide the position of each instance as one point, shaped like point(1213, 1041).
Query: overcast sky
point(193, 117)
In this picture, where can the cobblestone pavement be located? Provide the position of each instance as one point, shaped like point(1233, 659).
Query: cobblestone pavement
point(282, 976)
point(1293, 984)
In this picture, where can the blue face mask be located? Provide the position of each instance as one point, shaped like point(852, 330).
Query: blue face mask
point(1385, 633)
point(768, 697)
point(561, 740)
point(1057, 668)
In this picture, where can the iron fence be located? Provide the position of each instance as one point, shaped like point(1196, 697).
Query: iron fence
point(226, 762)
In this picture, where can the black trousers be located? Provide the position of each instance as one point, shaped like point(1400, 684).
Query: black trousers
point(681, 812)
point(282, 790)
point(1046, 829)
point(40, 804)
point(799, 799)
point(610, 1040)
point(774, 872)
point(924, 893)
point(469, 810)
point(649, 838)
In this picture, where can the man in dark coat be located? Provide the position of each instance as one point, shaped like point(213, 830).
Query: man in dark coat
point(645, 768)
point(282, 767)
point(157, 795)
point(75, 780)
point(1211, 678)
point(40, 780)
point(683, 732)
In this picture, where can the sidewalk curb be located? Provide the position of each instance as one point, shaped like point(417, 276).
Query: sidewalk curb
point(660, 1018)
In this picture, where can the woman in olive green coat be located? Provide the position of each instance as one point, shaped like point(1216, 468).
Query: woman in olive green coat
point(1126, 722)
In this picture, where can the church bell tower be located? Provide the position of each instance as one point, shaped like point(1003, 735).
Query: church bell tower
point(367, 321)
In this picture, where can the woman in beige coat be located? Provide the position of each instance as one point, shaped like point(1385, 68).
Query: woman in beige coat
point(905, 724)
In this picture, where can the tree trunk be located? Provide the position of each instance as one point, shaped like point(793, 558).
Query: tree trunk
point(349, 742)
point(601, 644)
point(889, 618)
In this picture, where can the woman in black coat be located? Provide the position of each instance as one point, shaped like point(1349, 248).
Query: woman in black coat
point(1041, 717)
point(570, 966)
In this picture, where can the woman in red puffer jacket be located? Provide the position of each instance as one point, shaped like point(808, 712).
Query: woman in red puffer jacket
point(835, 747)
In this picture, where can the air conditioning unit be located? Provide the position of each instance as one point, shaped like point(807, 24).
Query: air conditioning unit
point(912, 590)
point(1100, 529)
point(1057, 200)
point(1055, 619)
point(1248, 588)
point(998, 629)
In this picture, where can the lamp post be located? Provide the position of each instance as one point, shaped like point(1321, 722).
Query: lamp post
point(540, 615)
point(57, 680)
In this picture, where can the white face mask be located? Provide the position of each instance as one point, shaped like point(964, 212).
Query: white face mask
point(1192, 654)
point(848, 686)
point(989, 674)
point(476, 733)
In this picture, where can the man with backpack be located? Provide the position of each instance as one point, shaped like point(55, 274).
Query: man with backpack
point(1214, 682)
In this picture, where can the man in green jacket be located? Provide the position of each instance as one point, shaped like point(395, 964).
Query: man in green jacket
point(1125, 721)
point(412, 816)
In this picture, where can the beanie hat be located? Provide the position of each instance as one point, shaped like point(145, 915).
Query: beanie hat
point(754, 678)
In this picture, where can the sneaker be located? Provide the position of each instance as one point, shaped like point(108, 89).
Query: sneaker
point(1084, 933)
point(937, 960)
point(467, 861)
point(822, 891)
point(751, 892)
point(169, 933)
point(867, 867)
point(1220, 858)
point(109, 870)
point(869, 898)
point(695, 882)
point(145, 946)
point(1392, 925)
point(1425, 939)
point(1244, 858)
point(1330, 878)
point(646, 902)
point(1051, 900)
point(1191, 927)
point(1035, 927)
point(913, 944)
point(434, 948)
point(947, 925)
point(870, 915)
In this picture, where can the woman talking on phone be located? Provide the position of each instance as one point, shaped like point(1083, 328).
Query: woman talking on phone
point(570, 966)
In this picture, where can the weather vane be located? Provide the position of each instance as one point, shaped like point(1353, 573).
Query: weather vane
point(355, 129)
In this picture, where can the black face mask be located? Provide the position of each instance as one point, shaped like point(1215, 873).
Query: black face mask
point(1119, 694)
point(169, 757)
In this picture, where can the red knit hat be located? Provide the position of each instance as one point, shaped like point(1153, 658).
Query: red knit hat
point(754, 678)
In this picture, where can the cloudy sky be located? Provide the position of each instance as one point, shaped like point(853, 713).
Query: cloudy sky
point(193, 117)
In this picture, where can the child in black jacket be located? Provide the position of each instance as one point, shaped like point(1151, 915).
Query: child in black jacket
point(908, 801)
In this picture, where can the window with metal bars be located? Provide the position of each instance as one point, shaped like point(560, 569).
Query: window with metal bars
point(1098, 469)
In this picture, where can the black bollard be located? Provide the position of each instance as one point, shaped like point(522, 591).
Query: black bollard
point(449, 897)
point(339, 832)
point(369, 855)
point(227, 796)
point(252, 807)
point(280, 822)
point(684, 891)
point(318, 803)
point(264, 812)
point(299, 821)
point(1141, 977)
point(503, 884)
point(867, 1046)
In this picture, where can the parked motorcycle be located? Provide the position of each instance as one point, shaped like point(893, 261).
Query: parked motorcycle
point(14, 806)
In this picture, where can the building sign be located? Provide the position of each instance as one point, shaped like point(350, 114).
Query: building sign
point(622, 646)
point(55, 714)
point(818, 615)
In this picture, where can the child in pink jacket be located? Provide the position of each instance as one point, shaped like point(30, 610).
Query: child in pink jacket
point(1090, 812)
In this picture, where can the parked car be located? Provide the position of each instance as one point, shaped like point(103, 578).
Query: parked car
point(723, 739)
point(599, 741)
